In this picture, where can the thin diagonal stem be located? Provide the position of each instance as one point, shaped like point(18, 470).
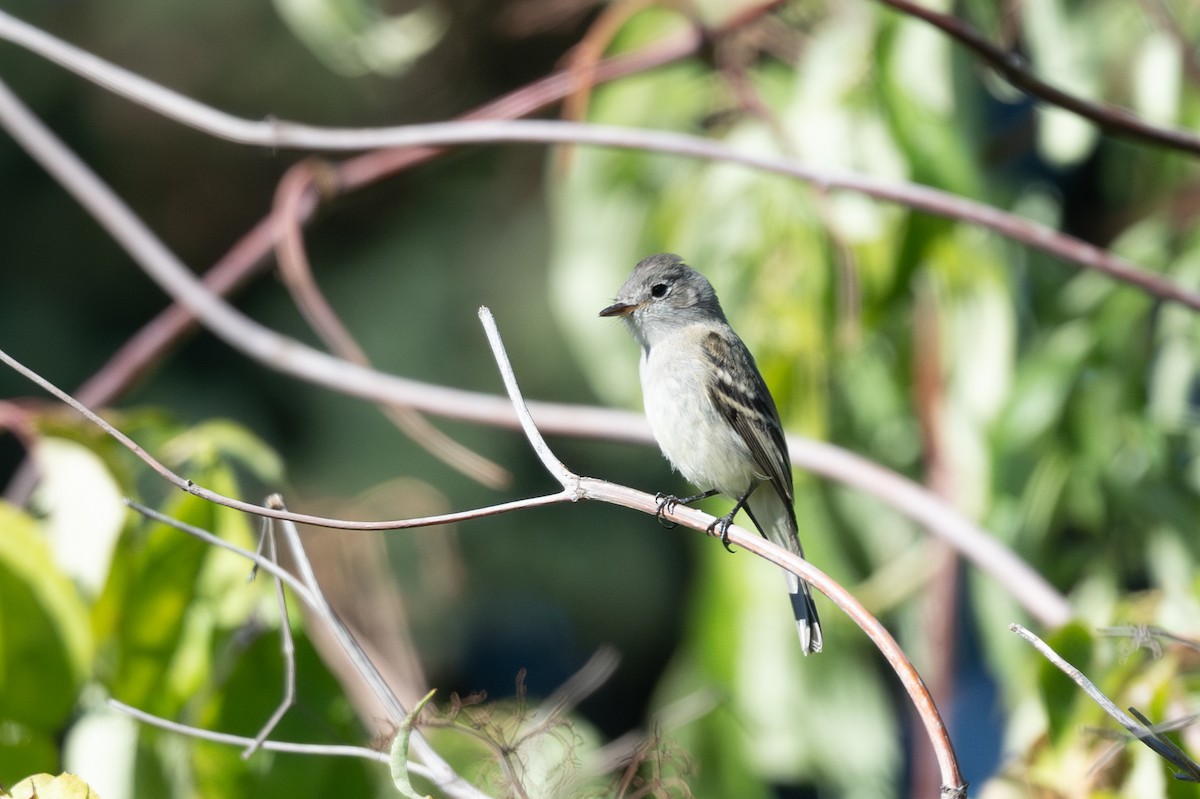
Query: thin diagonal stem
point(1015, 70)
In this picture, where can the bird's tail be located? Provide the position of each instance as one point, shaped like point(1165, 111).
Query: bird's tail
point(776, 520)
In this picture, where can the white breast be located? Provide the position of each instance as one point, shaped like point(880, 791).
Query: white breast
point(692, 434)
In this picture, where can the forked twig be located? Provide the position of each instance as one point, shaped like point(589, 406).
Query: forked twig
point(591, 488)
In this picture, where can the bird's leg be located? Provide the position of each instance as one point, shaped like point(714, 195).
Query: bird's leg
point(668, 502)
point(721, 526)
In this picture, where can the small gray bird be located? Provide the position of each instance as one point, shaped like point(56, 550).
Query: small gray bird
point(711, 412)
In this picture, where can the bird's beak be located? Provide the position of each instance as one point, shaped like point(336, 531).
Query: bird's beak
point(619, 309)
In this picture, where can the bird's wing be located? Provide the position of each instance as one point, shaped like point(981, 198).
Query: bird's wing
point(741, 395)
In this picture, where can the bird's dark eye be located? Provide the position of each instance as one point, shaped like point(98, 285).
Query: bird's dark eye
point(658, 290)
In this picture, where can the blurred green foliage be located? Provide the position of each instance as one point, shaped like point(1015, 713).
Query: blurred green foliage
point(1065, 404)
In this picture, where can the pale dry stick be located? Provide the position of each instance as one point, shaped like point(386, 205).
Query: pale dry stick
point(309, 591)
point(297, 274)
point(278, 134)
point(258, 510)
point(1014, 69)
point(327, 750)
point(1140, 727)
point(591, 488)
point(290, 356)
point(558, 470)
point(287, 646)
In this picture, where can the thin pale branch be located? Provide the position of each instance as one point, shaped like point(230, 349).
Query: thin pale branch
point(277, 134)
point(1015, 70)
point(327, 750)
point(286, 645)
point(553, 465)
point(249, 507)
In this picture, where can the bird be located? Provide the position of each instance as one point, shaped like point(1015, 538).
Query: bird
point(711, 411)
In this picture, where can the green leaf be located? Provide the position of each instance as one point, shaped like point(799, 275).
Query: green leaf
point(45, 643)
point(152, 589)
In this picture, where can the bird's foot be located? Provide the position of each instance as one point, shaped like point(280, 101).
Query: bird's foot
point(666, 504)
point(720, 529)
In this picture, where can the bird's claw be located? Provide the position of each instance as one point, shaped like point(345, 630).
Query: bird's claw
point(666, 504)
point(720, 529)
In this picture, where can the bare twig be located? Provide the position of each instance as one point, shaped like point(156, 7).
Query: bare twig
point(1120, 738)
point(326, 750)
point(553, 465)
point(270, 512)
point(1015, 70)
point(287, 647)
point(1140, 726)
